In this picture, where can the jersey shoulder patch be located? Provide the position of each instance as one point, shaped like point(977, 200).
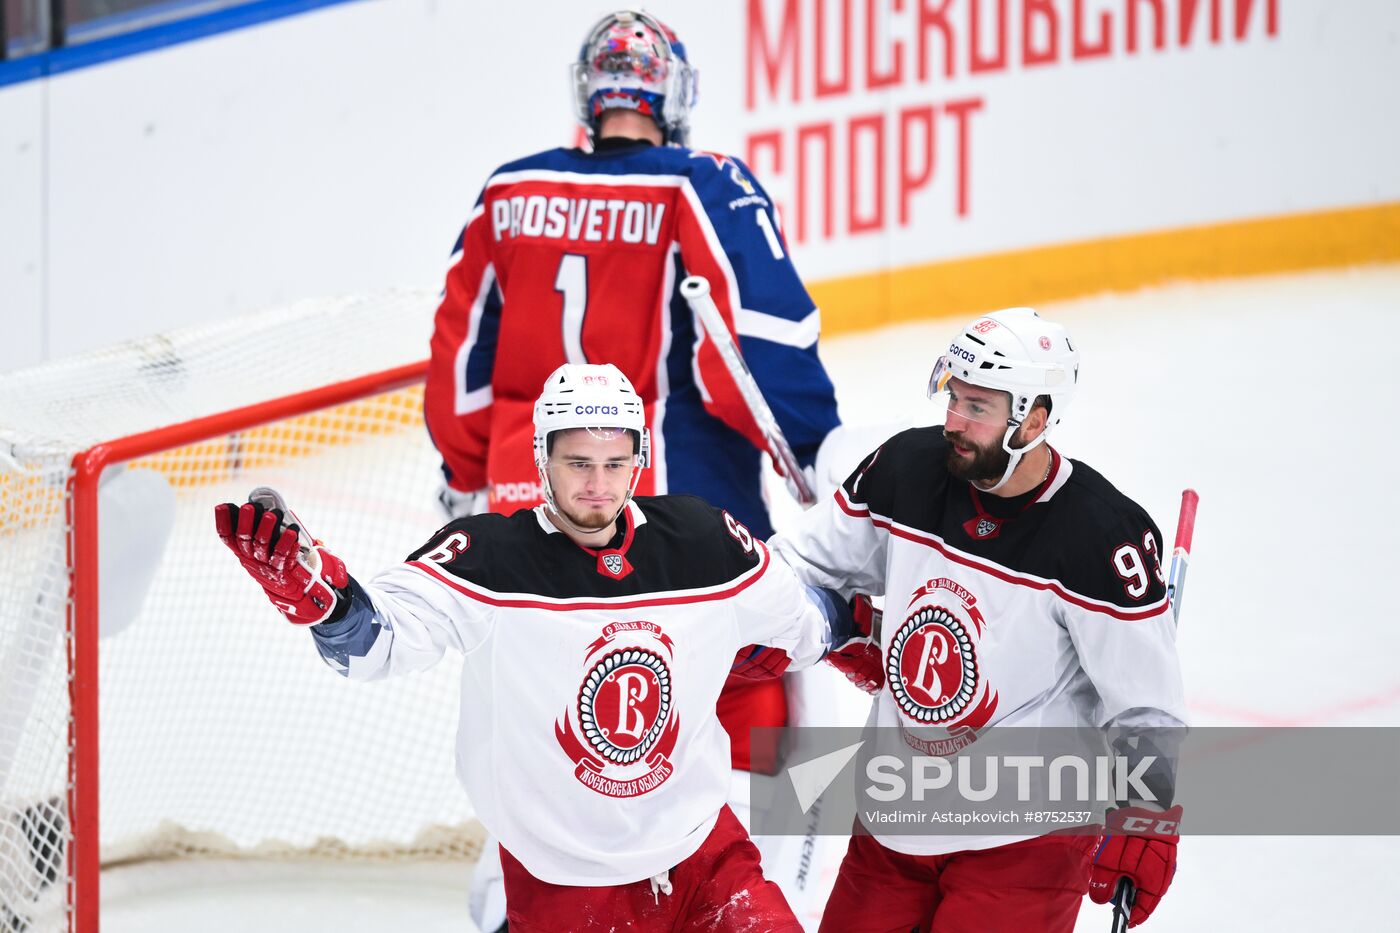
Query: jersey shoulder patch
point(721, 178)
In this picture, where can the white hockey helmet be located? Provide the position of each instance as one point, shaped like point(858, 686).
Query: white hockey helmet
point(589, 396)
point(1015, 351)
point(1018, 352)
point(631, 60)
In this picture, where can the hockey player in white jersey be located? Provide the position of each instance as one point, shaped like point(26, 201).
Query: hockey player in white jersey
point(597, 630)
point(1021, 589)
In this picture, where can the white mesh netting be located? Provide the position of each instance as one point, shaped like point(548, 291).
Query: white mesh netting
point(221, 731)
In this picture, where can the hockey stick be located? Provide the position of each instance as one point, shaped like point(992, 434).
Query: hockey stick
point(1125, 893)
point(1181, 551)
point(696, 290)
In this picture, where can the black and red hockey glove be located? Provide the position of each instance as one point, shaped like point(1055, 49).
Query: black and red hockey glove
point(301, 578)
point(1139, 844)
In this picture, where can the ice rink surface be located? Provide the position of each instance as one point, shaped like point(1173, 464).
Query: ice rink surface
point(1270, 397)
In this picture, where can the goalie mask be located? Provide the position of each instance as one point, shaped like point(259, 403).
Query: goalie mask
point(1018, 352)
point(632, 61)
point(592, 397)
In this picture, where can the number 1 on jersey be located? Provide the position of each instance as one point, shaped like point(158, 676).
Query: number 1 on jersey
point(775, 246)
point(572, 282)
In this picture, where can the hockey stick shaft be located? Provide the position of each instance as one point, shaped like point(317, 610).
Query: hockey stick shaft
point(1125, 893)
point(1181, 551)
point(696, 290)
point(1123, 898)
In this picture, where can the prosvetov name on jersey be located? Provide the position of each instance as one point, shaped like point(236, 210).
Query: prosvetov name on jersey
point(592, 220)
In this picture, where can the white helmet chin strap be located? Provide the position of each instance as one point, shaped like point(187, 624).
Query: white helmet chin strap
point(1016, 454)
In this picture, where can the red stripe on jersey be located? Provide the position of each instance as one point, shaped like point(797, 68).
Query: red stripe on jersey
point(705, 256)
point(621, 602)
point(1054, 586)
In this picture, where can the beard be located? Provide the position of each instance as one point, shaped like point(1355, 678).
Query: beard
point(593, 519)
point(986, 464)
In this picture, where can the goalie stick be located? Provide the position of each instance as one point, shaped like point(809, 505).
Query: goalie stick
point(1125, 894)
point(696, 290)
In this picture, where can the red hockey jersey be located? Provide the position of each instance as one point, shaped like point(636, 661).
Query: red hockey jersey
point(577, 257)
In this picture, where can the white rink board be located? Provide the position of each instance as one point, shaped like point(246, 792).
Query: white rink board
point(22, 156)
point(340, 151)
point(1215, 387)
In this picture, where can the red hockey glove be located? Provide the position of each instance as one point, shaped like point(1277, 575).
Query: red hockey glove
point(759, 662)
point(1140, 845)
point(300, 577)
point(860, 658)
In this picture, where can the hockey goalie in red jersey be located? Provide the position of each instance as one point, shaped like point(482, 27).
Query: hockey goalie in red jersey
point(573, 256)
point(597, 630)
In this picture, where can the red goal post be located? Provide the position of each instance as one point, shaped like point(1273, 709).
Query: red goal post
point(157, 709)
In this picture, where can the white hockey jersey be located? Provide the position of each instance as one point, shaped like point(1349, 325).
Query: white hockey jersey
point(587, 735)
point(1047, 609)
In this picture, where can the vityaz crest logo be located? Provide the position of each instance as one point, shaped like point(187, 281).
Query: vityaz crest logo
point(625, 722)
point(932, 667)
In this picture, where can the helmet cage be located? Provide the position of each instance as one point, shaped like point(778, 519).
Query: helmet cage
point(662, 86)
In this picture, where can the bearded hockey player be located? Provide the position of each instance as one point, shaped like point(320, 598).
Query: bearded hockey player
point(980, 534)
point(598, 630)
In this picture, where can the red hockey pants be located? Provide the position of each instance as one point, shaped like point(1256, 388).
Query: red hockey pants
point(718, 889)
point(1036, 884)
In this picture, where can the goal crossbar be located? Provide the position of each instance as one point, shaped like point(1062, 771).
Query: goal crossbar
point(84, 887)
point(154, 710)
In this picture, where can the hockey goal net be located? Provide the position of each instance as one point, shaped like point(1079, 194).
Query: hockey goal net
point(153, 706)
